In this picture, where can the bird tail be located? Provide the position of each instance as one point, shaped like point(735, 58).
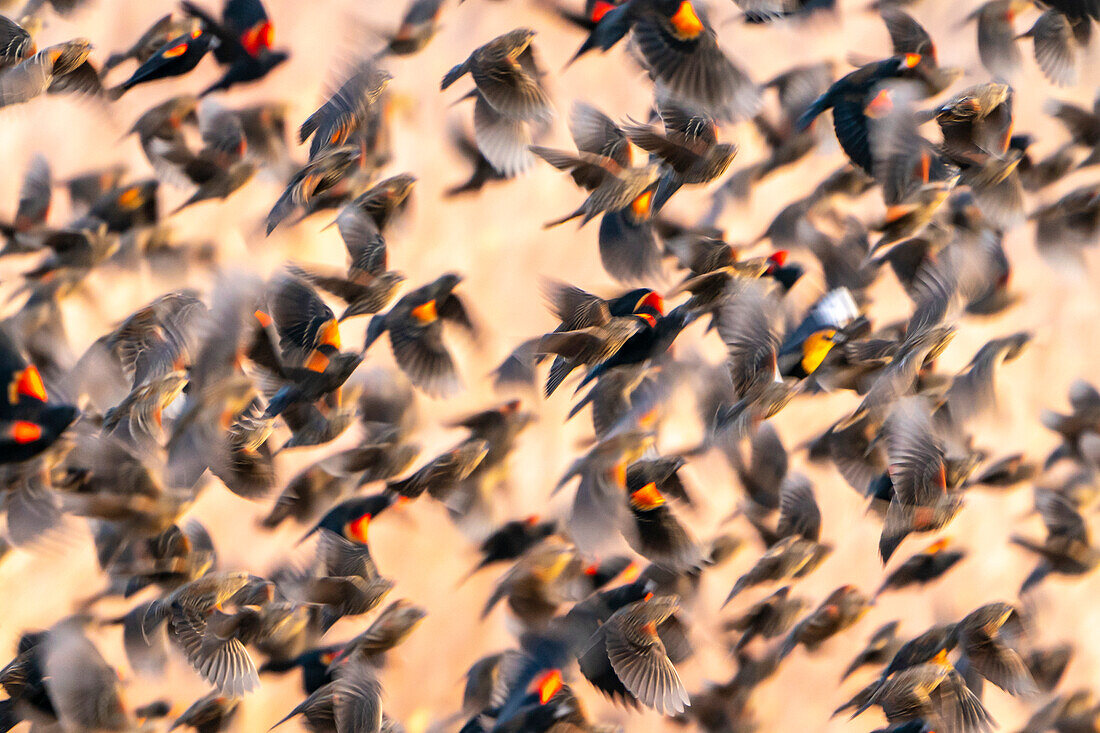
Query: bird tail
point(374, 330)
point(737, 588)
point(559, 370)
point(454, 75)
point(789, 643)
point(610, 30)
point(1041, 571)
point(153, 617)
point(551, 224)
point(112, 61)
point(812, 112)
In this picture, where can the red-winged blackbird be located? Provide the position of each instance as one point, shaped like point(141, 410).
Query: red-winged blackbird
point(29, 422)
point(849, 98)
point(163, 30)
point(175, 58)
point(415, 325)
point(244, 35)
point(680, 50)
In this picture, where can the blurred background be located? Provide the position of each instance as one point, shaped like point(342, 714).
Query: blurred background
point(496, 240)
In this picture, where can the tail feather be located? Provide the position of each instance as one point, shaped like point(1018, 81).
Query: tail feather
point(112, 61)
point(559, 370)
point(790, 642)
point(611, 29)
point(812, 112)
point(1041, 571)
point(153, 617)
point(374, 330)
point(579, 212)
point(454, 75)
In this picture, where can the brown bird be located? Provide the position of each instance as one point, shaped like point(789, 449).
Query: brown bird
point(541, 580)
point(1067, 549)
point(1069, 223)
point(629, 644)
point(1083, 126)
point(767, 618)
point(1059, 37)
point(985, 639)
point(611, 186)
point(210, 637)
point(351, 702)
point(391, 628)
point(792, 557)
point(748, 324)
point(922, 500)
point(842, 609)
point(60, 678)
point(346, 581)
point(60, 68)
point(369, 285)
point(977, 132)
point(932, 691)
point(1006, 472)
point(997, 37)
point(18, 43)
point(440, 475)
point(322, 173)
point(509, 99)
point(689, 144)
point(418, 26)
point(336, 121)
point(35, 196)
point(221, 167)
point(882, 645)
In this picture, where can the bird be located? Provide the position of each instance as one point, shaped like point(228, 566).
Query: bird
point(509, 98)
point(680, 51)
point(178, 56)
point(840, 610)
point(29, 422)
point(849, 97)
point(211, 638)
point(315, 178)
point(1067, 548)
point(629, 656)
point(244, 37)
point(415, 326)
point(346, 111)
point(923, 567)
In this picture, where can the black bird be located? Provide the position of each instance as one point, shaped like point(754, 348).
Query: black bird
point(849, 97)
point(245, 35)
point(175, 58)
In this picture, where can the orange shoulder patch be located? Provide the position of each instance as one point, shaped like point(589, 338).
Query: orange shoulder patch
point(177, 50)
point(686, 21)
